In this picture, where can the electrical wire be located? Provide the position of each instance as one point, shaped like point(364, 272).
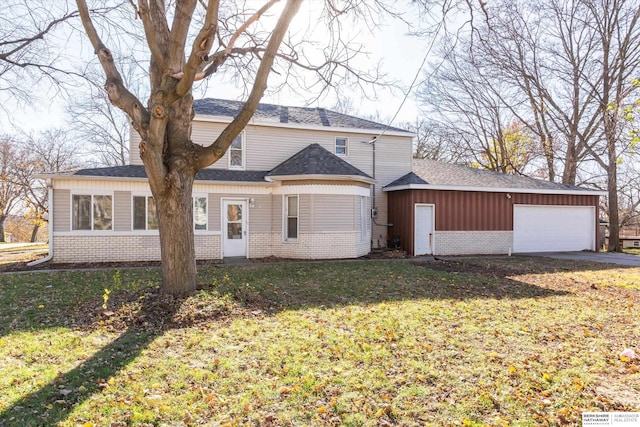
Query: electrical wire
point(415, 79)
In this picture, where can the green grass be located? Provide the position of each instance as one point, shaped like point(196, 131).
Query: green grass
point(494, 341)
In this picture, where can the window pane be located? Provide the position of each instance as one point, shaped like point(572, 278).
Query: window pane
point(139, 214)
point(292, 206)
point(237, 142)
point(234, 212)
point(292, 228)
point(152, 217)
point(102, 213)
point(234, 230)
point(200, 213)
point(236, 157)
point(81, 212)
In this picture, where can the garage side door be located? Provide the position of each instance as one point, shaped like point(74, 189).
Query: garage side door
point(553, 228)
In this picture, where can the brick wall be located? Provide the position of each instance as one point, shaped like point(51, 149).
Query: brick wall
point(308, 246)
point(69, 249)
point(124, 248)
point(472, 242)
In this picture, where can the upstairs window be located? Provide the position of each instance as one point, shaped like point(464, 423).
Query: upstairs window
point(90, 212)
point(237, 152)
point(291, 218)
point(342, 146)
point(144, 213)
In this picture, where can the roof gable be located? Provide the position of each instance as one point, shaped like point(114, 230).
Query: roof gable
point(315, 160)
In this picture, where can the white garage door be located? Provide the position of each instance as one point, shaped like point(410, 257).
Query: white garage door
point(553, 228)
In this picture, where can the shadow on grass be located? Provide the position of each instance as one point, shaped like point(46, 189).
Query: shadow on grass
point(293, 286)
point(268, 287)
point(54, 402)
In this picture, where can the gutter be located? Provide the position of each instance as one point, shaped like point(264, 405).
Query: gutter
point(50, 255)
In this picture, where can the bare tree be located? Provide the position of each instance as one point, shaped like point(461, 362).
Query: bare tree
point(184, 49)
point(103, 127)
point(463, 96)
point(48, 152)
point(436, 142)
point(616, 25)
point(25, 56)
point(11, 189)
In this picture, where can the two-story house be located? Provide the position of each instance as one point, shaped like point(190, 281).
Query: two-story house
point(310, 183)
point(296, 183)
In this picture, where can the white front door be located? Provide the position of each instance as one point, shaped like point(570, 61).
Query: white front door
point(234, 228)
point(423, 230)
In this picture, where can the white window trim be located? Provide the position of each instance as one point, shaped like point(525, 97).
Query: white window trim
point(146, 212)
point(243, 145)
point(285, 217)
point(206, 211)
point(346, 146)
point(92, 232)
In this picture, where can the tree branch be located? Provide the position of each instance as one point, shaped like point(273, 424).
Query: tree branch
point(246, 25)
point(210, 154)
point(200, 49)
point(151, 34)
point(116, 91)
point(24, 42)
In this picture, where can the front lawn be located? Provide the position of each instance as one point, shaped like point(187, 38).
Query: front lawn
point(488, 341)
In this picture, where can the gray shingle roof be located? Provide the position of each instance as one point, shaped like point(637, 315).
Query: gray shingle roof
point(436, 173)
point(137, 171)
point(284, 114)
point(312, 160)
point(315, 160)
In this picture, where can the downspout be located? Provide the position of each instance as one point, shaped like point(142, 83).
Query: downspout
point(50, 224)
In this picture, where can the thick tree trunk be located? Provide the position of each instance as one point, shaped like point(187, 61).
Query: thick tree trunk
point(34, 233)
point(170, 165)
point(2, 218)
point(175, 220)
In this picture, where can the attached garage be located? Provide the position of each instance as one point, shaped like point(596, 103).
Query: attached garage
point(445, 209)
point(545, 228)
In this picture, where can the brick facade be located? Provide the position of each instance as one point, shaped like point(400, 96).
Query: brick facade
point(472, 242)
point(69, 249)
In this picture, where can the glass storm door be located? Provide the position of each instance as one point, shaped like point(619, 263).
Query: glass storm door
point(234, 230)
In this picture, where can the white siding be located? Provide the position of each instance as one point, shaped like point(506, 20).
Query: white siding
point(134, 151)
point(62, 209)
point(333, 213)
point(122, 211)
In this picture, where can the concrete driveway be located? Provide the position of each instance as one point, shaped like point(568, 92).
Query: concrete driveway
point(605, 257)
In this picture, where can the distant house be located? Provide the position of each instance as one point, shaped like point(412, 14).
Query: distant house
point(308, 183)
point(446, 209)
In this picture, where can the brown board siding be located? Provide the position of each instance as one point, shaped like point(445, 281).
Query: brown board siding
point(468, 210)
